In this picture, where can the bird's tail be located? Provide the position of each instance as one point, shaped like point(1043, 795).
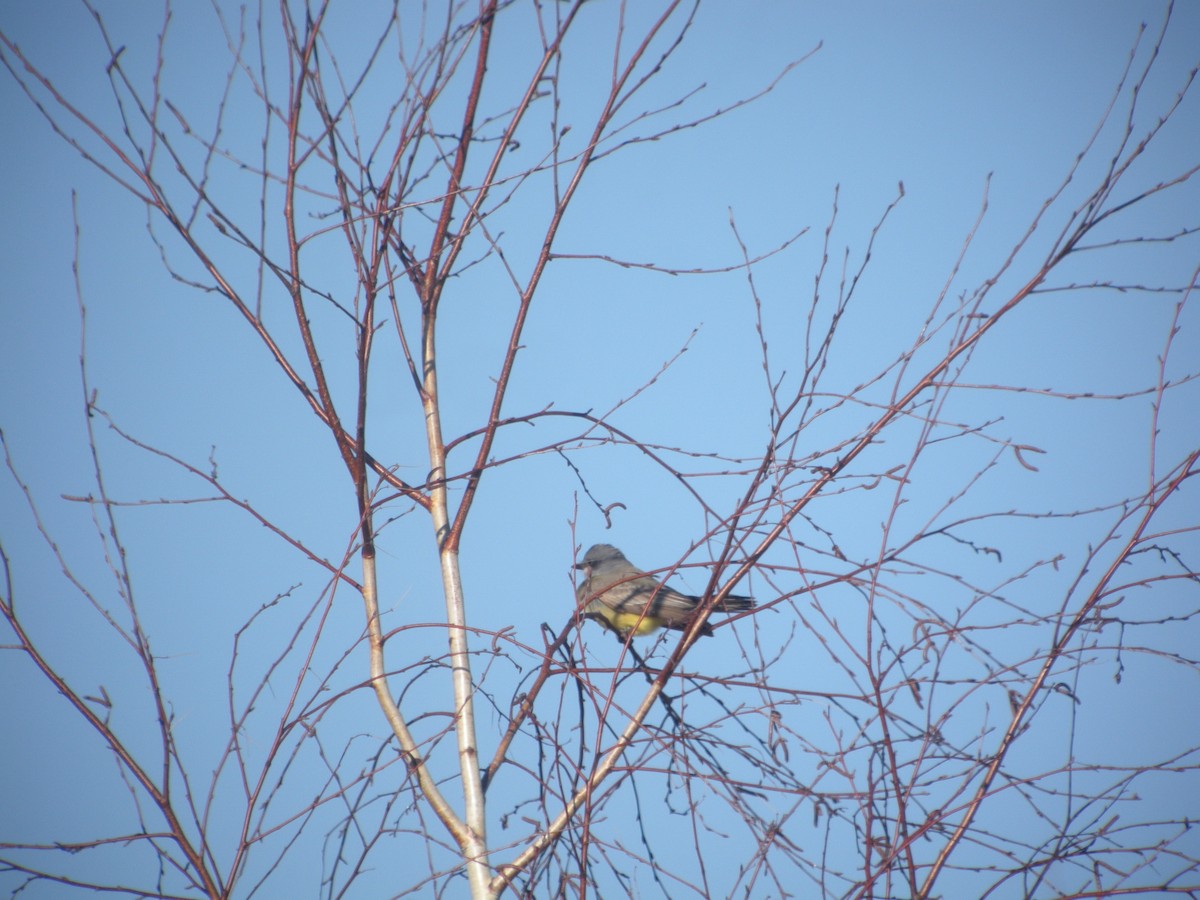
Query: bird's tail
point(735, 602)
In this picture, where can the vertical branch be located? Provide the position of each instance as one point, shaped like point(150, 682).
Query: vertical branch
point(304, 46)
point(469, 834)
point(473, 837)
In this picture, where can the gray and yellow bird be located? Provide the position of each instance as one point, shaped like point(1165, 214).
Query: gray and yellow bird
point(624, 599)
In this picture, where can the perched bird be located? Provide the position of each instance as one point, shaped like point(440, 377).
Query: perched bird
point(624, 599)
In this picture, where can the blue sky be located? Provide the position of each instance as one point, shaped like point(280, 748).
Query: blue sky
point(941, 97)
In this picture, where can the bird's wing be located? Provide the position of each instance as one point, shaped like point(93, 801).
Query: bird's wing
point(635, 595)
point(669, 600)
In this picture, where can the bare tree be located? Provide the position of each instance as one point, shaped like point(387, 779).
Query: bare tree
point(931, 744)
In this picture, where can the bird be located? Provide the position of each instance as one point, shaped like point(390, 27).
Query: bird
point(626, 600)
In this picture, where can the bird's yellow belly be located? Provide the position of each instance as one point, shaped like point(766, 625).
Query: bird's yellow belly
point(628, 621)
